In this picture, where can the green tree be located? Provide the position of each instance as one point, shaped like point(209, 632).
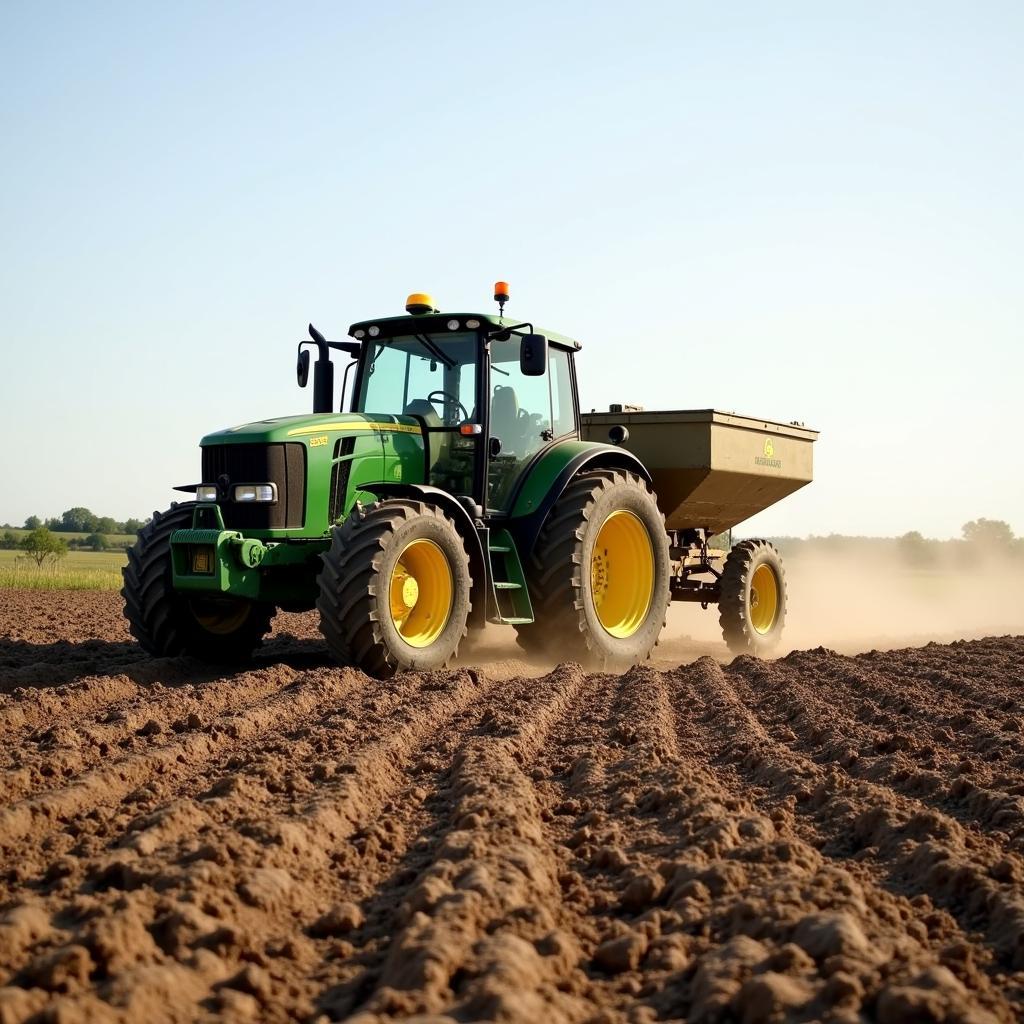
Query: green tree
point(33, 523)
point(78, 520)
point(992, 534)
point(9, 541)
point(42, 545)
point(132, 525)
point(97, 542)
point(106, 525)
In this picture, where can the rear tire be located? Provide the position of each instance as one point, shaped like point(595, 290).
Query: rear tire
point(752, 608)
point(599, 574)
point(166, 623)
point(395, 589)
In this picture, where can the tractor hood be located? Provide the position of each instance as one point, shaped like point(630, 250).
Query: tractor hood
point(304, 428)
point(320, 465)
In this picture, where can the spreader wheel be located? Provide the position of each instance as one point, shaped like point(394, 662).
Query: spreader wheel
point(752, 608)
point(395, 588)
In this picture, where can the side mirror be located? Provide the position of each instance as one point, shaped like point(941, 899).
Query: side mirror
point(533, 355)
point(302, 368)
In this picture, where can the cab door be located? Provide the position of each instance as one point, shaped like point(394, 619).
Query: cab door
point(405, 459)
point(526, 415)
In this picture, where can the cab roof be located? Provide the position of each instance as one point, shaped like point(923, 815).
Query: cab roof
point(393, 326)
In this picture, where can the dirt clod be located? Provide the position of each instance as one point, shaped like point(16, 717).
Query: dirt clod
point(825, 935)
point(621, 954)
point(339, 920)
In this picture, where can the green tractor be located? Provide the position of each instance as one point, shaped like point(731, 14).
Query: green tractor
point(463, 487)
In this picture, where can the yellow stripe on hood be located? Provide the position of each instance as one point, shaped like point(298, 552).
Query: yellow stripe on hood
point(383, 428)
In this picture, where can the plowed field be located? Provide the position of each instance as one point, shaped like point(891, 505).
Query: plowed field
point(817, 838)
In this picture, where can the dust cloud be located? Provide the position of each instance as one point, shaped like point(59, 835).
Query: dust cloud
point(843, 601)
point(853, 604)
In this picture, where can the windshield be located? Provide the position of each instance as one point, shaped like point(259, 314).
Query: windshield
point(428, 375)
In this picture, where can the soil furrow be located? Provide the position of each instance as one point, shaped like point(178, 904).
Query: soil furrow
point(818, 838)
point(479, 934)
point(815, 721)
point(269, 858)
point(36, 709)
point(38, 818)
point(138, 721)
point(893, 843)
point(985, 730)
point(977, 673)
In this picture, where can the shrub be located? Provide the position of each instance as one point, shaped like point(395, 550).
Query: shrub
point(42, 546)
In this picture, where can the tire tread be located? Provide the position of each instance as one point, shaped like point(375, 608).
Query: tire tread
point(348, 602)
point(737, 630)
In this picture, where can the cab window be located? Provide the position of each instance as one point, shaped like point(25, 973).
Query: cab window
point(433, 377)
point(563, 412)
point(423, 375)
point(526, 413)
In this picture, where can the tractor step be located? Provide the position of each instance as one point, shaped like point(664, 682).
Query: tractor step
point(510, 600)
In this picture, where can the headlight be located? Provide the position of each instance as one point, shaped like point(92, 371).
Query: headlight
point(206, 492)
point(256, 492)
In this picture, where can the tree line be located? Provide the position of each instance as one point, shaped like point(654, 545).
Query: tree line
point(981, 540)
point(43, 541)
point(985, 539)
point(45, 547)
point(81, 520)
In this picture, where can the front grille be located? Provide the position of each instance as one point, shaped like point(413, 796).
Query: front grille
point(281, 464)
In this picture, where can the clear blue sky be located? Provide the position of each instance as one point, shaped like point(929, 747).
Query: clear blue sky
point(808, 211)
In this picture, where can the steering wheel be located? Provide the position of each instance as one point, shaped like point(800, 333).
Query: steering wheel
point(448, 398)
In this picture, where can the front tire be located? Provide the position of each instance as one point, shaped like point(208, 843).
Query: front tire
point(752, 608)
point(395, 589)
point(600, 573)
point(166, 623)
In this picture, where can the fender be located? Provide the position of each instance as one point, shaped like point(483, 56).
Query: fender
point(550, 476)
point(463, 521)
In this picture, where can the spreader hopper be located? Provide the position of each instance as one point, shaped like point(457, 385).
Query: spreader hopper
point(711, 470)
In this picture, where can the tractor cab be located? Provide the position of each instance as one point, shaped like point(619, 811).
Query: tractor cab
point(486, 394)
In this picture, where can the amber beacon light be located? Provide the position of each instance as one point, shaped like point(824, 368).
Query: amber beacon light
point(501, 294)
point(419, 303)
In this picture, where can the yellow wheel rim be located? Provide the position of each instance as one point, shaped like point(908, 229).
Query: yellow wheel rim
point(764, 598)
point(622, 574)
point(421, 593)
point(221, 618)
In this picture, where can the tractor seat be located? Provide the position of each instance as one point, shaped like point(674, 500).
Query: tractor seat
point(421, 407)
point(505, 416)
point(437, 444)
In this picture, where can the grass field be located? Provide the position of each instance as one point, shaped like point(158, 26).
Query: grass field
point(77, 570)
